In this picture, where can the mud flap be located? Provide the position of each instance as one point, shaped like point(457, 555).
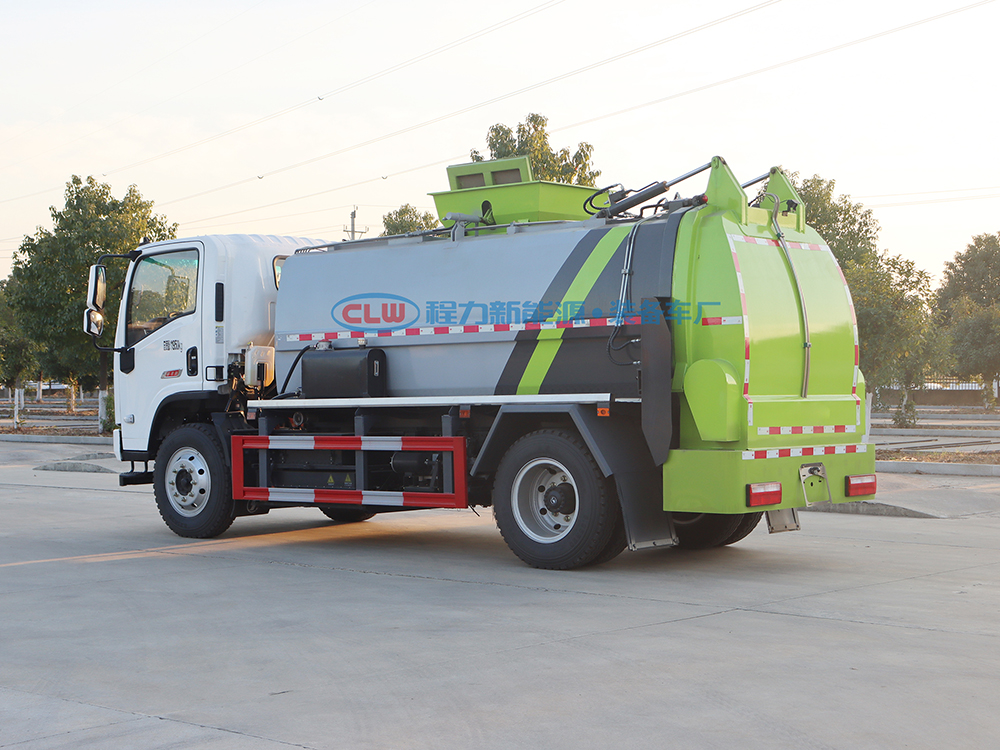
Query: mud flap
point(619, 441)
point(786, 519)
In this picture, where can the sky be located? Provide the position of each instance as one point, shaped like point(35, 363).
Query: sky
point(282, 116)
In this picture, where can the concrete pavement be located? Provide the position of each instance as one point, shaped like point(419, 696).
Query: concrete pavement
point(422, 630)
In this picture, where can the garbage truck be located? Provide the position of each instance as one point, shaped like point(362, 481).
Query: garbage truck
point(606, 368)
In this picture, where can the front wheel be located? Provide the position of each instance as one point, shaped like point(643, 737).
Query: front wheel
point(191, 483)
point(552, 504)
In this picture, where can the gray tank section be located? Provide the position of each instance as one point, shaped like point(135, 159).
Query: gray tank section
point(450, 311)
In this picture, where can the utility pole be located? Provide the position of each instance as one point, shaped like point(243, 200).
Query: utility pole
point(352, 231)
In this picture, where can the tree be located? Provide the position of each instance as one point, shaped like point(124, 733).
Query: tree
point(48, 284)
point(848, 227)
point(969, 304)
point(898, 342)
point(974, 274)
point(407, 218)
point(975, 334)
point(532, 140)
point(18, 353)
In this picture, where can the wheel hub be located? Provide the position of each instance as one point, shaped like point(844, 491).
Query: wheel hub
point(544, 500)
point(189, 482)
point(184, 482)
point(560, 499)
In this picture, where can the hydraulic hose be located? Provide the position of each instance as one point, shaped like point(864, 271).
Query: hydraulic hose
point(295, 363)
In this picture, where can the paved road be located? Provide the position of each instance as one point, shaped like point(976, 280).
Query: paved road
point(422, 631)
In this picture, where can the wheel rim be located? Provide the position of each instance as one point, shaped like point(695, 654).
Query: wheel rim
point(189, 482)
point(544, 500)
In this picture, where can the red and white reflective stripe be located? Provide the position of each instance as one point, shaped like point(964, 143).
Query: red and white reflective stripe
point(454, 445)
point(319, 442)
point(450, 330)
point(736, 320)
point(775, 243)
point(854, 324)
point(353, 497)
point(746, 325)
point(827, 450)
point(345, 442)
point(807, 430)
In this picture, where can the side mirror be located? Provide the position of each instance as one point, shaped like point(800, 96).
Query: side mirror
point(97, 289)
point(93, 323)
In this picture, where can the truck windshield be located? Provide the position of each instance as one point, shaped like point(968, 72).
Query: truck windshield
point(164, 287)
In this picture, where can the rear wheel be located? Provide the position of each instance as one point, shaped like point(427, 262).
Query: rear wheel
point(552, 504)
point(342, 514)
point(191, 483)
point(704, 530)
point(748, 522)
point(615, 546)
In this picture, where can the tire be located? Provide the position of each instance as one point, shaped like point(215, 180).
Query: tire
point(748, 522)
point(704, 530)
point(616, 545)
point(553, 506)
point(191, 483)
point(342, 514)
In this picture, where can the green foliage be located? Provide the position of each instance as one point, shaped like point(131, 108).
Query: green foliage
point(18, 354)
point(848, 227)
point(405, 219)
point(897, 340)
point(532, 140)
point(969, 304)
point(108, 424)
point(974, 274)
point(975, 333)
point(48, 284)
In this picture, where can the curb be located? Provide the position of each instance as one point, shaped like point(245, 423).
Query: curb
point(929, 467)
point(79, 466)
point(931, 432)
point(868, 508)
point(943, 416)
point(69, 439)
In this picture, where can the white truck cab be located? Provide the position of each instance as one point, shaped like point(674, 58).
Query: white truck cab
point(190, 309)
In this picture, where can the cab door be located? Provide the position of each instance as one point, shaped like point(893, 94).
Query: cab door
point(160, 337)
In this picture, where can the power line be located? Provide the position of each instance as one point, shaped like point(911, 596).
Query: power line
point(312, 100)
point(295, 215)
point(934, 200)
point(776, 66)
point(616, 113)
point(327, 191)
point(494, 100)
point(160, 103)
point(928, 192)
point(31, 195)
point(349, 86)
point(129, 77)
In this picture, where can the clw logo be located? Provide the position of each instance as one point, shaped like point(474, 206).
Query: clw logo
point(375, 312)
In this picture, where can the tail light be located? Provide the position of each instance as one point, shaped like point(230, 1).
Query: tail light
point(859, 484)
point(763, 493)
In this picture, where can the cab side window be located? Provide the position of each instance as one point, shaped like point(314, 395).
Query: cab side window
point(164, 287)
